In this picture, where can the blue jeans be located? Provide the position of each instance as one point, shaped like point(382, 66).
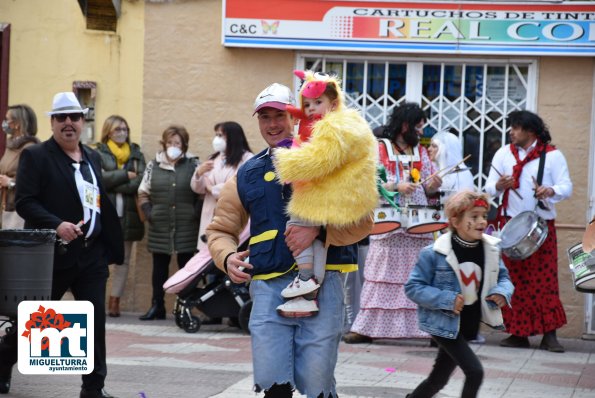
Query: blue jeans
point(299, 351)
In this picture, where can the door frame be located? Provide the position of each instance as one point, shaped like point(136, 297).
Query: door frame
point(4, 82)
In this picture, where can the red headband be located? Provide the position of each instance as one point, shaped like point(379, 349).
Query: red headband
point(481, 203)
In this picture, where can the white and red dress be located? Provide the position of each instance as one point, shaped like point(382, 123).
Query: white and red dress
point(385, 311)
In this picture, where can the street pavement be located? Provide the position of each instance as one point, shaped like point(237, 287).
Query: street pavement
point(156, 359)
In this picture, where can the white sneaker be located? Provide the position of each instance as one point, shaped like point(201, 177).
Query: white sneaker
point(298, 307)
point(478, 340)
point(299, 287)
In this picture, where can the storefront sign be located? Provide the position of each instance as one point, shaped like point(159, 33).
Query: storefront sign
point(566, 28)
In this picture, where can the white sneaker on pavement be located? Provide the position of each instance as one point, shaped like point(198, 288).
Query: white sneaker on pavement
point(298, 307)
point(299, 287)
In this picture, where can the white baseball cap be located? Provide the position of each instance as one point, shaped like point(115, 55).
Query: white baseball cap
point(66, 103)
point(275, 96)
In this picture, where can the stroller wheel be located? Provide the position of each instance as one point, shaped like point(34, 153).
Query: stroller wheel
point(244, 316)
point(178, 313)
point(191, 325)
point(179, 317)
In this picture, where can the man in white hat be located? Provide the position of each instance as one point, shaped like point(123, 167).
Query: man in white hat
point(288, 353)
point(60, 188)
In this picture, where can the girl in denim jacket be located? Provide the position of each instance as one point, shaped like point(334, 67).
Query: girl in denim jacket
point(457, 282)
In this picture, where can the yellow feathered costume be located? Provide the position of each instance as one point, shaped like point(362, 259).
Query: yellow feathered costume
point(333, 175)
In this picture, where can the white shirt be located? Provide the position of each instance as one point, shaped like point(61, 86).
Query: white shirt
point(555, 176)
point(456, 181)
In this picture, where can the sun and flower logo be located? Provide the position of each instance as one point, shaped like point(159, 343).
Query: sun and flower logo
point(56, 337)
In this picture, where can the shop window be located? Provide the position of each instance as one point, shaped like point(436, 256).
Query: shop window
point(472, 101)
point(374, 88)
point(469, 99)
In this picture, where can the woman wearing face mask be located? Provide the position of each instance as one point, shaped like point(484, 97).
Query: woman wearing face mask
point(231, 151)
point(122, 164)
point(20, 126)
point(169, 205)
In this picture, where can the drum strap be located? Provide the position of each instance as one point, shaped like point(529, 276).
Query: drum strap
point(540, 176)
point(540, 151)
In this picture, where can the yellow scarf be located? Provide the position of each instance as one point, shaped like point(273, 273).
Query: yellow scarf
point(121, 153)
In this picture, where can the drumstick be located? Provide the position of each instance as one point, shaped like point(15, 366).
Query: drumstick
point(78, 225)
point(500, 174)
point(543, 202)
point(449, 168)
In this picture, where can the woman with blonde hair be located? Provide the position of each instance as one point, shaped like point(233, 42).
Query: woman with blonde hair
point(122, 165)
point(20, 126)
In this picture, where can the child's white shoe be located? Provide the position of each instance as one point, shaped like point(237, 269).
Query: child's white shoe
point(298, 307)
point(299, 287)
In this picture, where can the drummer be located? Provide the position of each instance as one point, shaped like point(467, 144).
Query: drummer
point(385, 311)
point(536, 306)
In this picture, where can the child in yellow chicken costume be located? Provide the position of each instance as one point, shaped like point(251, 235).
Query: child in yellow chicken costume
point(332, 169)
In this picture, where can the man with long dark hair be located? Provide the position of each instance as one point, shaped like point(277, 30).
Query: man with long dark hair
point(538, 172)
point(385, 311)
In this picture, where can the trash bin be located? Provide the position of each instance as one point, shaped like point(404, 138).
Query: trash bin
point(26, 266)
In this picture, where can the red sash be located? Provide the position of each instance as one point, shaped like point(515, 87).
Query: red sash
point(386, 156)
point(516, 174)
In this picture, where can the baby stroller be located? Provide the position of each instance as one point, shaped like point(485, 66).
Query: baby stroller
point(218, 299)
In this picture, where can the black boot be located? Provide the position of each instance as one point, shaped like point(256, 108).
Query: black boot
point(515, 342)
point(8, 353)
point(157, 311)
point(5, 376)
point(550, 342)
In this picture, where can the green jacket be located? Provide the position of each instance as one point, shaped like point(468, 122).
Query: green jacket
point(116, 181)
point(174, 215)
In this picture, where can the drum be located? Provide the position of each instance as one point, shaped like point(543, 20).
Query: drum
point(424, 219)
point(523, 235)
point(386, 219)
point(582, 268)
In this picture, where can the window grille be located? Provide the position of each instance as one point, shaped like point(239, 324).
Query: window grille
point(469, 98)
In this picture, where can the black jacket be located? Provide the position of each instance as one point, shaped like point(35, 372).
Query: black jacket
point(46, 195)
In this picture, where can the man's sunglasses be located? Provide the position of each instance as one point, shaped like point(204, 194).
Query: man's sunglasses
point(74, 117)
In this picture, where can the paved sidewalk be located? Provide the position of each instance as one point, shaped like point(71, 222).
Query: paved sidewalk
point(156, 359)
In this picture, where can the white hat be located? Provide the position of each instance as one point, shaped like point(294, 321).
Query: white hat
point(275, 96)
point(66, 103)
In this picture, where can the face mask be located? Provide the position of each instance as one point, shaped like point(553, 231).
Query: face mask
point(6, 128)
point(219, 144)
point(119, 137)
point(173, 152)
